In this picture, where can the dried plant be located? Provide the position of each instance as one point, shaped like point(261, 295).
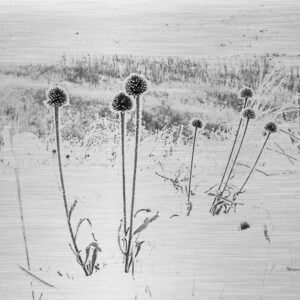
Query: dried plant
point(270, 128)
point(247, 114)
point(122, 103)
point(225, 203)
point(135, 86)
point(244, 94)
point(197, 124)
point(57, 97)
point(244, 225)
point(136, 243)
point(20, 203)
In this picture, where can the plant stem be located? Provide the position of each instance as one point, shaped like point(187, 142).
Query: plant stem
point(254, 165)
point(192, 162)
point(230, 155)
point(236, 156)
point(56, 117)
point(122, 115)
point(137, 130)
point(17, 175)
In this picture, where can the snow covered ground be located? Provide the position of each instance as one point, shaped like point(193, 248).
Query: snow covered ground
point(196, 257)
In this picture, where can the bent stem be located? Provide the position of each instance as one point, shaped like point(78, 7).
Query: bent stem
point(230, 155)
point(122, 115)
point(56, 117)
point(17, 176)
point(255, 163)
point(191, 168)
point(137, 130)
point(236, 156)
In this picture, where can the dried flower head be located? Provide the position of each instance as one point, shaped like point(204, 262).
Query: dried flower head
point(271, 127)
point(249, 113)
point(244, 225)
point(136, 84)
point(121, 102)
point(197, 123)
point(57, 96)
point(246, 93)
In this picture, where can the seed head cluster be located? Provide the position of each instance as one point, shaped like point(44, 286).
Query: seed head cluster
point(249, 113)
point(246, 93)
point(271, 127)
point(57, 96)
point(136, 84)
point(121, 102)
point(197, 123)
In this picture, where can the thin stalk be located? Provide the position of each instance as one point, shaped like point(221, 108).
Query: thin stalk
point(290, 134)
point(137, 131)
point(257, 159)
point(17, 175)
point(56, 117)
point(236, 156)
point(230, 155)
point(122, 115)
point(192, 163)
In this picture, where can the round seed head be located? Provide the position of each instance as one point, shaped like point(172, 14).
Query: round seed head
point(57, 96)
point(121, 102)
point(197, 123)
point(136, 84)
point(249, 113)
point(246, 93)
point(271, 127)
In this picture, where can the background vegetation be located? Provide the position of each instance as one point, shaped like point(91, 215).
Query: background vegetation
point(181, 89)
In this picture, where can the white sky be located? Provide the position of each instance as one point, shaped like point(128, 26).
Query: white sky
point(47, 28)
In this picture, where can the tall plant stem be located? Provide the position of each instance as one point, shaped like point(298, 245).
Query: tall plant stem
point(230, 155)
point(122, 115)
point(236, 156)
point(17, 175)
point(255, 163)
point(192, 163)
point(137, 138)
point(56, 117)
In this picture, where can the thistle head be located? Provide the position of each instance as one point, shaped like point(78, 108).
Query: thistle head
point(249, 113)
point(197, 123)
point(121, 102)
point(271, 127)
point(245, 93)
point(136, 84)
point(57, 96)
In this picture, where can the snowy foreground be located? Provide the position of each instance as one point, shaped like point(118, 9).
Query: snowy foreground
point(196, 257)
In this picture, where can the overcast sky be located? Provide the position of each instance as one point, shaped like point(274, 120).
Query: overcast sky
point(46, 29)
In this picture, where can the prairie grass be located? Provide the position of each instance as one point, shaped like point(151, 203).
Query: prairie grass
point(181, 89)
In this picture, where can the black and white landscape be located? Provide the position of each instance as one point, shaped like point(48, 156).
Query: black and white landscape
point(149, 150)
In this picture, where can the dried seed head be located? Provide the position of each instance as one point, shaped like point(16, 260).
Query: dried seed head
point(244, 225)
point(136, 84)
point(197, 123)
point(246, 93)
point(121, 102)
point(271, 127)
point(249, 113)
point(57, 96)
